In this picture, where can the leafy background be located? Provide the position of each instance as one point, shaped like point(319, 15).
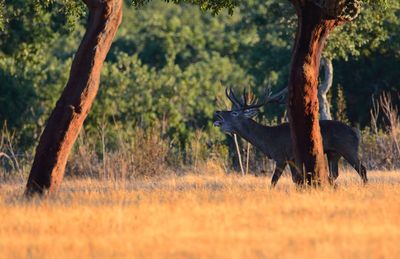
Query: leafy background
point(170, 63)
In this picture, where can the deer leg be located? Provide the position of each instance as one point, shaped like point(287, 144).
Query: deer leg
point(280, 166)
point(333, 161)
point(356, 164)
point(297, 179)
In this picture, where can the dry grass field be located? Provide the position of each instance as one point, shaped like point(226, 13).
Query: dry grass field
point(204, 216)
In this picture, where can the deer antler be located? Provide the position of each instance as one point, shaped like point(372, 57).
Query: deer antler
point(275, 98)
point(231, 96)
point(249, 100)
point(251, 103)
point(269, 98)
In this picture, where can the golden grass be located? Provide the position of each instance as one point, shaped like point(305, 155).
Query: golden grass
point(198, 216)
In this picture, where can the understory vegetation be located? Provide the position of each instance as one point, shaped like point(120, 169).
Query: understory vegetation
point(166, 74)
point(148, 154)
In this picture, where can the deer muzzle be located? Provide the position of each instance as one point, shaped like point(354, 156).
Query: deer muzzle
point(218, 119)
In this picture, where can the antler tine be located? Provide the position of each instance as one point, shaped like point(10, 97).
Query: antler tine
point(249, 99)
point(281, 95)
point(275, 98)
point(268, 93)
point(253, 100)
point(244, 97)
point(226, 93)
point(240, 104)
point(231, 96)
point(269, 98)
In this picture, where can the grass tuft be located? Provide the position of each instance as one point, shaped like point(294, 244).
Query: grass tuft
point(208, 214)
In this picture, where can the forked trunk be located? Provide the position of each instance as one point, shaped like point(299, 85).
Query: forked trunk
point(71, 109)
point(312, 32)
point(323, 89)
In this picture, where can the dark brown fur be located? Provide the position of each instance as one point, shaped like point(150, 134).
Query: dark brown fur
point(339, 140)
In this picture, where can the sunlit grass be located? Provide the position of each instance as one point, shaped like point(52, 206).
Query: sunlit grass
point(211, 215)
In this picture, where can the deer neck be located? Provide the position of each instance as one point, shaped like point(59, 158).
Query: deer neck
point(255, 133)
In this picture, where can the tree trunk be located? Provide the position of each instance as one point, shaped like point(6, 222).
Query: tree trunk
point(323, 89)
point(312, 31)
point(316, 19)
point(67, 118)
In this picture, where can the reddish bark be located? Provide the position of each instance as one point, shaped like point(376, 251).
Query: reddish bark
point(71, 109)
point(313, 29)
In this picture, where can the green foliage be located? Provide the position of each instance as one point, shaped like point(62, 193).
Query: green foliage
point(32, 64)
point(2, 15)
point(366, 33)
point(214, 5)
point(169, 64)
point(340, 106)
point(165, 71)
point(170, 97)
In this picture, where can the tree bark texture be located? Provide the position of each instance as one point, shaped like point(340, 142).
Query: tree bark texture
point(312, 32)
point(316, 19)
point(323, 89)
point(67, 118)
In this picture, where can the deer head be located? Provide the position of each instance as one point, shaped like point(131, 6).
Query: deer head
point(242, 110)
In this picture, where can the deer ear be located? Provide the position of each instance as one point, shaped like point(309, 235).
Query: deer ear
point(250, 113)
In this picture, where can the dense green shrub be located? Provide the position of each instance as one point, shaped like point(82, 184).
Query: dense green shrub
point(168, 67)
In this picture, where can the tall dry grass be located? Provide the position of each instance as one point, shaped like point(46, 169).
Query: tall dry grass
point(146, 153)
point(147, 198)
point(204, 215)
point(380, 145)
point(144, 156)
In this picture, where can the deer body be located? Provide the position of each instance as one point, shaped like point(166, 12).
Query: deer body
point(339, 140)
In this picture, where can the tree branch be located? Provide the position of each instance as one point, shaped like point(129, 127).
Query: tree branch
point(323, 89)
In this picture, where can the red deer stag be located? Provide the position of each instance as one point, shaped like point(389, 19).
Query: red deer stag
point(339, 140)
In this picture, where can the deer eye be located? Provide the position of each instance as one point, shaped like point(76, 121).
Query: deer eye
point(235, 114)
